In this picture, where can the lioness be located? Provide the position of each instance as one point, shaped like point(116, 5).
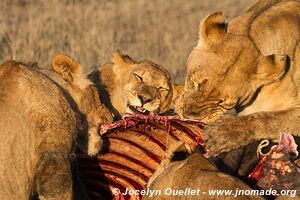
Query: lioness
point(196, 178)
point(42, 113)
point(250, 65)
point(135, 87)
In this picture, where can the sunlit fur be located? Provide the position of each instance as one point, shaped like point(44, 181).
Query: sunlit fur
point(249, 66)
point(234, 66)
point(129, 83)
point(45, 114)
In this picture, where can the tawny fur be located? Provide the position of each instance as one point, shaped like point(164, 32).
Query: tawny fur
point(250, 65)
point(195, 172)
point(43, 116)
point(128, 82)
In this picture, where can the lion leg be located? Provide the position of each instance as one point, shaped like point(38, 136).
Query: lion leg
point(231, 132)
point(268, 125)
point(53, 177)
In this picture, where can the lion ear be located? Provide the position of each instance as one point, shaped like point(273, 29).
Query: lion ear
point(273, 67)
point(122, 60)
point(213, 28)
point(66, 67)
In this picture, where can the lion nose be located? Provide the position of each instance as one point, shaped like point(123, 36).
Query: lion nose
point(144, 99)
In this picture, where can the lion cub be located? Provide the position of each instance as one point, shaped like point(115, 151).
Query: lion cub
point(135, 87)
point(43, 114)
point(194, 178)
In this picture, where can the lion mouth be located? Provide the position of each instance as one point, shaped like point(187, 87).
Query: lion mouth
point(138, 110)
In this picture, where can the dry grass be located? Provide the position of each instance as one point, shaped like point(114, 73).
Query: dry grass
point(161, 30)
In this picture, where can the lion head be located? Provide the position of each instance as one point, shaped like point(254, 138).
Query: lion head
point(135, 87)
point(225, 71)
point(85, 95)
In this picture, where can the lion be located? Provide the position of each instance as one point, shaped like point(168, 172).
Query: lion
point(243, 77)
point(127, 86)
point(44, 115)
point(196, 176)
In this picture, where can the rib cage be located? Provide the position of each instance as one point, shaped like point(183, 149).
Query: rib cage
point(133, 150)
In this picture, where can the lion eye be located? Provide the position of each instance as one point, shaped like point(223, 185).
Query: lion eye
point(197, 86)
point(200, 86)
point(138, 77)
point(162, 89)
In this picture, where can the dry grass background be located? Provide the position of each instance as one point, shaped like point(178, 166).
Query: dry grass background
point(163, 31)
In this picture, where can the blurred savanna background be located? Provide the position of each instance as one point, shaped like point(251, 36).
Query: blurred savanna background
point(163, 31)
